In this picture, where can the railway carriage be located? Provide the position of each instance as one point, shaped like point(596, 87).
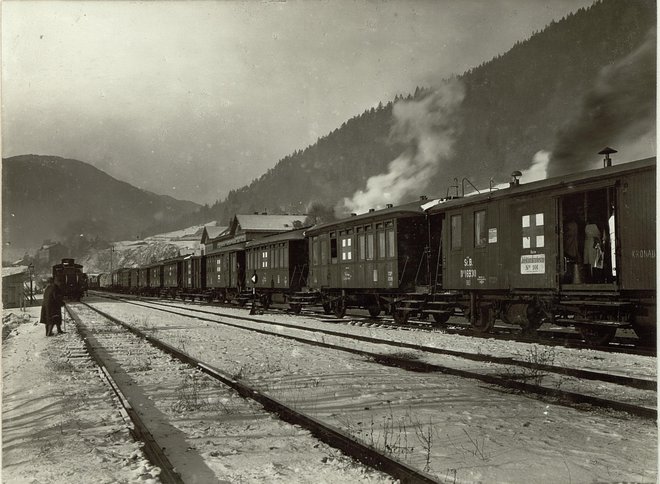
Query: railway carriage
point(576, 250)
point(225, 254)
point(143, 280)
point(194, 277)
point(277, 267)
point(155, 272)
point(124, 279)
point(172, 276)
point(225, 270)
point(371, 259)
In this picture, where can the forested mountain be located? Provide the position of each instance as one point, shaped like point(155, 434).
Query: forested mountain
point(69, 201)
point(512, 107)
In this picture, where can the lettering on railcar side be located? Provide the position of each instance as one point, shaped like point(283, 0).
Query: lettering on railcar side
point(643, 254)
point(532, 264)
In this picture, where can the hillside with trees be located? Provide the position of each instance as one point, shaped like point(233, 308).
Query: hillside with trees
point(514, 106)
point(47, 197)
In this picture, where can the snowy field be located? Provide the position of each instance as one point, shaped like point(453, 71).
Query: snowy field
point(459, 430)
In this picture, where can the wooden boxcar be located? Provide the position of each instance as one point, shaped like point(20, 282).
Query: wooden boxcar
point(369, 259)
point(155, 278)
point(279, 265)
point(194, 277)
point(576, 250)
point(172, 276)
point(143, 280)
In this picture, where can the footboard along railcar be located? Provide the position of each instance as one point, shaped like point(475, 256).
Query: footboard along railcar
point(575, 250)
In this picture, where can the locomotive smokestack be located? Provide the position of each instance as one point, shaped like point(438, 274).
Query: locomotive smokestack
point(515, 178)
point(607, 161)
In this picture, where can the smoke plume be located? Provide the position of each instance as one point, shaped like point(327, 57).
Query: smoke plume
point(618, 112)
point(427, 126)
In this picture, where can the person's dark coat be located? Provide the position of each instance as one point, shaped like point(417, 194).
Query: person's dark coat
point(51, 308)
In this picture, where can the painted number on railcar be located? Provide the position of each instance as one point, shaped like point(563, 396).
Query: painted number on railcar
point(532, 264)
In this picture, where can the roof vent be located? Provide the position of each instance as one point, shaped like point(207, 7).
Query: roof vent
point(372, 210)
point(353, 214)
point(607, 151)
point(256, 213)
point(515, 179)
point(423, 197)
point(264, 213)
point(389, 205)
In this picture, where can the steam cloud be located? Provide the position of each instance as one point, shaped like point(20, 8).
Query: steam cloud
point(426, 124)
point(618, 112)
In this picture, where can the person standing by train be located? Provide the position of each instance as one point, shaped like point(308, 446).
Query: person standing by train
point(51, 307)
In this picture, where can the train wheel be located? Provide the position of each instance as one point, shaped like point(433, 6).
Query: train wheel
point(535, 317)
point(295, 308)
point(265, 301)
point(327, 308)
point(597, 335)
point(339, 308)
point(374, 311)
point(485, 319)
point(440, 318)
point(401, 316)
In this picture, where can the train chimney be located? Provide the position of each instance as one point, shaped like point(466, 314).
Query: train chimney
point(515, 179)
point(423, 197)
point(389, 205)
point(372, 210)
point(353, 214)
point(607, 151)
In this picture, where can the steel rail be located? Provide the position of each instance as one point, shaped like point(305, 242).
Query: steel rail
point(324, 432)
point(137, 428)
point(639, 383)
point(562, 396)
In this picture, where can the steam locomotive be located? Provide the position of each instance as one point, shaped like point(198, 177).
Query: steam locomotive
point(576, 250)
point(71, 278)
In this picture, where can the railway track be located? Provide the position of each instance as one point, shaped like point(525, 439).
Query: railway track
point(549, 337)
point(101, 342)
point(510, 373)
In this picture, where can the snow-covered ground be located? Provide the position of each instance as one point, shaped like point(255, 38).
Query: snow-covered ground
point(460, 430)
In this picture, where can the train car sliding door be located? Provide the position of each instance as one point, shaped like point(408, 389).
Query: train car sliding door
point(588, 255)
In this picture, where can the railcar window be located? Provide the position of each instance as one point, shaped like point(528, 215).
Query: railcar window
point(333, 250)
point(285, 262)
point(370, 246)
point(390, 242)
point(480, 230)
point(346, 248)
point(324, 251)
point(456, 227)
point(532, 236)
point(362, 245)
point(381, 245)
point(264, 259)
point(275, 250)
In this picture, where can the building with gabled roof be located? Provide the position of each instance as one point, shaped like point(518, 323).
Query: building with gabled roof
point(243, 228)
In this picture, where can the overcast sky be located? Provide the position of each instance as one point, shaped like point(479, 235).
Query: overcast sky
point(192, 99)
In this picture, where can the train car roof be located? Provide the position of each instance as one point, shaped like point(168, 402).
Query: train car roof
point(298, 234)
point(566, 181)
point(410, 209)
